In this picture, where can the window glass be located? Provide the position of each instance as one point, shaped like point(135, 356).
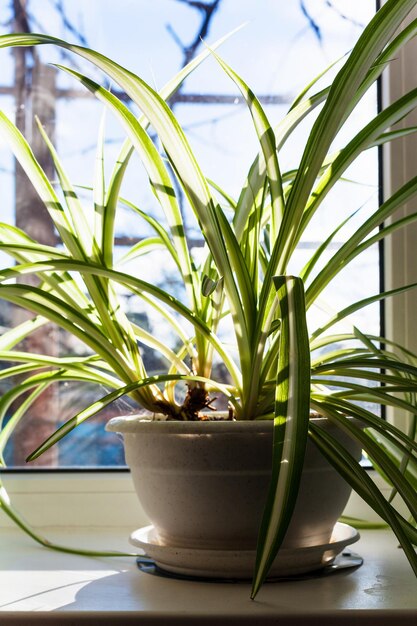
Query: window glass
point(280, 48)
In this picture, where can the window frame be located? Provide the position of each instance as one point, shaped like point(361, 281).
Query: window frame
point(398, 166)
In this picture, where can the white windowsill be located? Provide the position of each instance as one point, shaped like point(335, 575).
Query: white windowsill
point(41, 586)
point(99, 511)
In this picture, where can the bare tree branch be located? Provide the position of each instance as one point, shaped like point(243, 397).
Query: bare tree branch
point(313, 24)
point(8, 22)
point(207, 9)
point(343, 16)
point(69, 26)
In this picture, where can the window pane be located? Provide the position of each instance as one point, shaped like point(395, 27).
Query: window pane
point(280, 49)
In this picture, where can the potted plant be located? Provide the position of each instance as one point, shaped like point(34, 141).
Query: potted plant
point(279, 372)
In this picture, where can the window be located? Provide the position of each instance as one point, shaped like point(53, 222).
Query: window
point(281, 48)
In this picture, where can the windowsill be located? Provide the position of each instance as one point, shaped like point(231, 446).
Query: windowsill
point(41, 586)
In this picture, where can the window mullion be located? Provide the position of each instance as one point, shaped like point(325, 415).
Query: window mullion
point(399, 165)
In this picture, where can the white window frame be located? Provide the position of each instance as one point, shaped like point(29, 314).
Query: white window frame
point(107, 499)
point(399, 165)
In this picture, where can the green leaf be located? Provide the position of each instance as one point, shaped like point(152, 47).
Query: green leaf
point(15, 335)
point(76, 212)
point(100, 190)
point(357, 477)
point(208, 286)
point(362, 141)
point(292, 412)
point(267, 141)
point(403, 487)
point(312, 261)
point(41, 184)
point(339, 104)
point(257, 172)
point(392, 434)
point(74, 230)
point(182, 161)
point(119, 170)
point(24, 249)
point(51, 307)
point(7, 430)
point(159, 179)
point(356, 306)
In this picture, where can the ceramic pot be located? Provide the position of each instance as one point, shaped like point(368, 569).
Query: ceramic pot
point(203, 485)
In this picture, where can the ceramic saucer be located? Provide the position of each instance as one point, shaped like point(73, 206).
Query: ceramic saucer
point(240, 563)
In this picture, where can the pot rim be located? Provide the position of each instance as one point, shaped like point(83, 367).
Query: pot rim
point(141, 424)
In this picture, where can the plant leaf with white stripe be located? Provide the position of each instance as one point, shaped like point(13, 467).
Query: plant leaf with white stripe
point(292, 413)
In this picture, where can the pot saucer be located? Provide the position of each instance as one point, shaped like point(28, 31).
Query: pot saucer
point(239, 564)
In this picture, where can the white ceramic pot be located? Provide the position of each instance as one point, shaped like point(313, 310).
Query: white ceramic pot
point(204, 484)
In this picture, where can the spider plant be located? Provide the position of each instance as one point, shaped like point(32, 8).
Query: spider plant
point(278, 370)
